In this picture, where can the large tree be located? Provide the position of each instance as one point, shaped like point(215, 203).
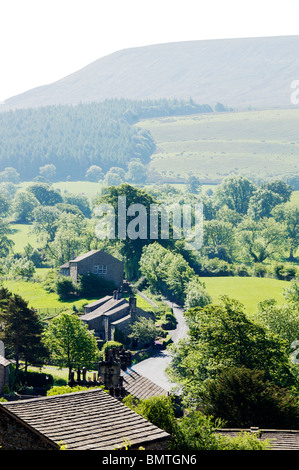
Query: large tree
point(221, 336)
point(235, 192)
point(70, 342)
point(135, 223)
point(22, 330)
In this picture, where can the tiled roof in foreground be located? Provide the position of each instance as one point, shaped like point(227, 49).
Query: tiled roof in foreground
point(280, 439)
point(88, 420)
point(141, 387)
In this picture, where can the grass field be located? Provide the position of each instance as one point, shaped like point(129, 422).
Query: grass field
point(21, 236)
point(39, 298)
point(264, 143)
point(247, 290)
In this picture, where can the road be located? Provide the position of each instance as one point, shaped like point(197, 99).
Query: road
point(154, 367)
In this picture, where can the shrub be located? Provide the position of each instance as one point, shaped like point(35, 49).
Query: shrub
point(242, 270)
point(284, 271)
point(35, 379)
point(92, 285)
point(259, 270)
point(65, 287)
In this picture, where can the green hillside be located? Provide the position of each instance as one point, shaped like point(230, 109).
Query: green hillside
point(260, 143)
point(247, 290)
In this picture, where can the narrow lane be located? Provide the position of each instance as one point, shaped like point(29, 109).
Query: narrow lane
point(154, 367)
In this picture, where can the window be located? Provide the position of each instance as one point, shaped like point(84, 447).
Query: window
point(101, 269)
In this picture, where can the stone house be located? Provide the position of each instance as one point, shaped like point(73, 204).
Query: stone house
point(112, 313)
point(95, 262)
point(86, 420)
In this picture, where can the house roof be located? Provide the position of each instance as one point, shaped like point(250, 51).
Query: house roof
point(87, 255)
point(98, 302)
point(279, 439)
point(88, 420)
point(139, 386)
point(109, 306)
point(4, 362)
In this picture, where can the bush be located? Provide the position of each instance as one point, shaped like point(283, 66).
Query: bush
point(259, 270)
point(216, 267)
point(35, 379)
point(91, 285)
point(242, 270)
point(284, 272)
point(65, 288)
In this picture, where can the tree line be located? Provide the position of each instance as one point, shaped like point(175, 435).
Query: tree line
point(73, 138)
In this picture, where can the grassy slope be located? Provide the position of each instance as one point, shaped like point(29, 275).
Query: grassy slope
point(247, 290)
point(264, 143)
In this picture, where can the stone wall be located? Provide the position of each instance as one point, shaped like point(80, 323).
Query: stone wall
point(15, 436)
point(115, 269)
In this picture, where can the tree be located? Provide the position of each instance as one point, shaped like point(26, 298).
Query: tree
point(45, 195)
point(289, 216)
point(5, 242)
point(244, 397)
point(221, 336)
point(94, 173)
point(193, 185)
point(235, 192)
point(196, 294)
point(166, 272)
point(11, 175)
point(219, 239)
point(136, 171)
point(22, 329)
point(80, 201)
point(48, 171)
point(70, 342)
point(260, 239)
point(114, 177)
point(46, 221)
point(144, 331)
point(262, 202)
point(130, 246)
point(23, 205)
point(281, 188)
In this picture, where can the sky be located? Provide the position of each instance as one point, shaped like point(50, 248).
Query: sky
point(42, 41)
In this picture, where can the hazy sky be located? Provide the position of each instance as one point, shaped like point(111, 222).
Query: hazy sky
point(45, 40)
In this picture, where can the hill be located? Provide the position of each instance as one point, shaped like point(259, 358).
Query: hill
point(262, 144)
point(240, 73)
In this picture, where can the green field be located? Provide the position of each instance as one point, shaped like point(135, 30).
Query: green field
point(211, 146)
point(21, 236)
point(247, 290)
point(38, 298)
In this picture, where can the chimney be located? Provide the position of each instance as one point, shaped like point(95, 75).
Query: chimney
point(2, 349)
point(132, 305)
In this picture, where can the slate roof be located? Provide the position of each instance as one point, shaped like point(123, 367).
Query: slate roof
point(88, 420)
point(279, 439)
point(139, 386)
point(110, 306)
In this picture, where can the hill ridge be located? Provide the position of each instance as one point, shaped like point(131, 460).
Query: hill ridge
point(239, 72)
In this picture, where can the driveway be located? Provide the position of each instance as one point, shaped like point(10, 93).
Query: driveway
point(154, 367)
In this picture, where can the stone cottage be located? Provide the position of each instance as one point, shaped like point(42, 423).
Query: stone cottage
point(112, 313)
point(95, 262)
point(87, 420)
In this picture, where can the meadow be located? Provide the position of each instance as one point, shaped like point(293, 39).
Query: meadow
point(211, 146)
point(247, 290)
